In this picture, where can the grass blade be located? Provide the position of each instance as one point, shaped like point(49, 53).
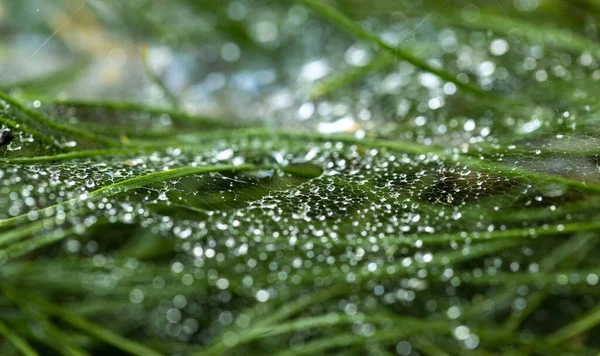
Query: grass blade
point(69, 130)
point(586, 322)
point(129, 184)
point(97, 331)
point(19, 343)
point(352, 27)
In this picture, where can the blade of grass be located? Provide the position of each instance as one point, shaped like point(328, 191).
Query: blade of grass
point(96, 330)
point(495, 168)
point(18, 342)
point(175, 115)
point(352, 27)
point(548, 264)
point(336, 81)
point(345, 340)
point(75, 155)
point(52, 335)
point(126, 185)
point(40, 137)
point(154, 78)
point(516, 235)
point(535, 214)
point(584, 323)
point(36, 116)
point(328, 320)
point(33, 244)
point(22, 232)
point(300, 304)
point(427, 347)
point(556, 279)
point(534, 300)
point(407, 147)
point(280, 314)
point(535, 33)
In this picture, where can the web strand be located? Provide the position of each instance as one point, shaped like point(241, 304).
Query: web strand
point(60, 28)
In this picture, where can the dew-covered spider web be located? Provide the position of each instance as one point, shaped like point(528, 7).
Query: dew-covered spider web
point(413, 178)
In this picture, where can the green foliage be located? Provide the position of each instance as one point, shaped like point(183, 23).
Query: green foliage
point(239, 213)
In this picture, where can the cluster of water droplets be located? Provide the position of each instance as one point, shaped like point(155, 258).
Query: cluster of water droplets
point(402, 232)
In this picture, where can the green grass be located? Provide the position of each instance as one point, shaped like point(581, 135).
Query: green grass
point(444, 221)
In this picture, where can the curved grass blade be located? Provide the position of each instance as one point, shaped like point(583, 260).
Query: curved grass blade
point(475, 163)
point(573, 279)
point(126, 185)
point(518, 235)
point(13, 125)
point(69, 130)
point(352, 27)
point(427, 347)
point(175, 115)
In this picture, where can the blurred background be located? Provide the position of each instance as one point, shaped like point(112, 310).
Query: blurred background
point(280, 63)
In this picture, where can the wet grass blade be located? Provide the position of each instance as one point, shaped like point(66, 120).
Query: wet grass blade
point(354, 28)
point(119, 107)
point(66, 129)
point(73, 156)
point(126, 185)
point(39, 136)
